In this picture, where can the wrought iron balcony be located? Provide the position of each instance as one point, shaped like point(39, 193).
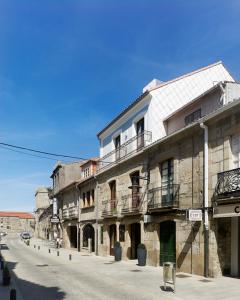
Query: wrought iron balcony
point(132, 204)
point(109, 209)
point(163, 197)
point(70, 213)
point(228, 184)
point(130, 147)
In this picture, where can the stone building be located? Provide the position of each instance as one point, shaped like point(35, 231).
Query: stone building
point(16, 222)
point(65, 178)
point(87, 187)
point(163, 156)
point(43, 213)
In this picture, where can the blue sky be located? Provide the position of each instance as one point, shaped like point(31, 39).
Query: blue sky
point(68, 67)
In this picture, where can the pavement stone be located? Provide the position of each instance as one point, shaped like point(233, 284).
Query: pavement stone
point(133, 281)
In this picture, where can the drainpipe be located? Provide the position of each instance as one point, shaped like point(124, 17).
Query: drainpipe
point(96, 201)
point(205, 202)
point(78, 227)
point(223, 96)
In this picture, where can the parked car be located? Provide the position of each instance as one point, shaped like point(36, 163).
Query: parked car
point(2, 233)
point(25, 235)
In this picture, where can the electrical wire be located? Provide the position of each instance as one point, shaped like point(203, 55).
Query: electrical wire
point(29, 154)
point(42, 152)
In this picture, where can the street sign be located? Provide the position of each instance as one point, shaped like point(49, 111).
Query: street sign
point(54, 220)
point(194, 215)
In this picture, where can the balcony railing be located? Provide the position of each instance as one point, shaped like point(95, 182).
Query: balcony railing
point(70, 213)
point(228, 185)
point(109, 209)
point(133, 145)
point(163, 197)
point(132, 204)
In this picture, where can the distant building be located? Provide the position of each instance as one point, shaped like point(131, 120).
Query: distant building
point(65, 192)
point(43, 213)
point(16, 222)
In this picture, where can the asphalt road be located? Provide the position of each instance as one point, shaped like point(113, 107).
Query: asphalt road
point(45, 276)
point(40, 275)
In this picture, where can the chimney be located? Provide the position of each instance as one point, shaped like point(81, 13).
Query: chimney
point(152, 84)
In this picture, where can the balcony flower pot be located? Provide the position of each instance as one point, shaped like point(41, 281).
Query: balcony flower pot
point(6, 276)
point(142, 255)
point(117, 251)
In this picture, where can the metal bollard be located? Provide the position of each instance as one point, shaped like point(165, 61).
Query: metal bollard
point(13, 294)
point(70, 256)
point(57, 253)
point(49, 250)
point(90, 245)
point(2, 264)
point(169, 274)
point(38, 247)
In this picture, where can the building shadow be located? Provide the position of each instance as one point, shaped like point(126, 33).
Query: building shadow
point(188, 244)
point(31, 290)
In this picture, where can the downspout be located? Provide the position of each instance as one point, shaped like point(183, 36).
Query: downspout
point(79, 212)
point(96, 201)
point(223, 96)
point(205, 202)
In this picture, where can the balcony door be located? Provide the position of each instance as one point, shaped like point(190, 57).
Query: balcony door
point(135, 189)
point(236, 151)
point(117, 143)
point(140, 133)
point(167, 182)
point(112, 186)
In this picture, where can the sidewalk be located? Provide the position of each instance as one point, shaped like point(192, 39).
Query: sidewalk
point(188, 286)
point(93, 276)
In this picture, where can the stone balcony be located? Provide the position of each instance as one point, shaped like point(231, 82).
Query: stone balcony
point(70, 213)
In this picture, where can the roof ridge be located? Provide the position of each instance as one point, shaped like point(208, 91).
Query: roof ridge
point(187, 75)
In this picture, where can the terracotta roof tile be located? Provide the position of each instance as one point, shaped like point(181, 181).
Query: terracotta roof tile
point(21, 215)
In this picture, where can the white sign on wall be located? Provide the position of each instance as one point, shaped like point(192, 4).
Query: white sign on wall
point(54, 206)
point(194, 215)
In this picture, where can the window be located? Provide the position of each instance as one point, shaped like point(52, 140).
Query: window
point(93, 197)
point(117, 143)
point(135, 179)
point(101, 235)
point(140, 133)
point(86, 172)
point(122, 233)
point(84, 199)
point(193, 117)
point(88, 198)
point(167, 181)
point(235, 145)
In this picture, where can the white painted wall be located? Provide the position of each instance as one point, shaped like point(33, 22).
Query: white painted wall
point(161, 102)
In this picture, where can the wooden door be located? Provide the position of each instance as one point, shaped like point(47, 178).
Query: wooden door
point(167, 242)
point(113, 238)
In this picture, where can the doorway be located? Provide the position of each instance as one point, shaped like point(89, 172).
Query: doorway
point(88, 233)
point(167, 242)
point(135, 239)
point(73, 236)
point(113, 237)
